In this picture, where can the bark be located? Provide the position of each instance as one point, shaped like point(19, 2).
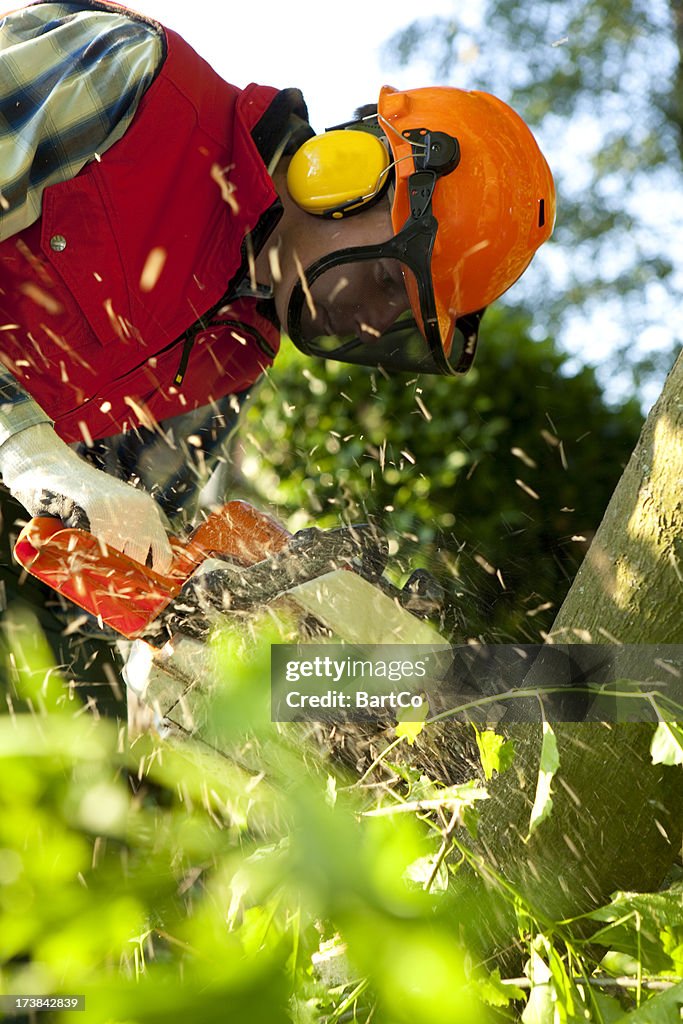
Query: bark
point(617, 819)
point(630, 586)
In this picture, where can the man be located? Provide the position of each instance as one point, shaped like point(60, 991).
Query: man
point(158, 227)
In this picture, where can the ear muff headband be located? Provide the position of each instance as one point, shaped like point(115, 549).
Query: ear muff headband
point(339, 173)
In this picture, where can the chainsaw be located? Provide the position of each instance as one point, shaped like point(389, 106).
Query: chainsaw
point(237, 561)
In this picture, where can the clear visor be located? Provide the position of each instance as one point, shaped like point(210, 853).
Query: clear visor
point(400, 349)
point(363, 311)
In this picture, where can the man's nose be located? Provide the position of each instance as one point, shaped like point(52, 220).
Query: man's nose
point(374, 319)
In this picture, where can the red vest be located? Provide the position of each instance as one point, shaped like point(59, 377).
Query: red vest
point(96, 296)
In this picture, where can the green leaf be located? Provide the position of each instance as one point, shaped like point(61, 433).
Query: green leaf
point(409, 730)
point(410, 775)
point(619, 964)
point(496, 753)
point(550, 762)
point(609, 1009)
point(667, 744)
point(664, 1008)
point(411, 722)
point(466, 794)
point(470, 819)
point(567, 995)
point(643, 926)
point(660, 908)
point(424, 788)
point(672, 944)
point(420, 871)
point(540, 1007)
point(496, 993)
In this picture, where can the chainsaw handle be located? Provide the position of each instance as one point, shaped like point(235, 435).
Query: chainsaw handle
point(122, 592)
point(239, 531)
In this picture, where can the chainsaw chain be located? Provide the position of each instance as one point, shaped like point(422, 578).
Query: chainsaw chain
point(311, 553)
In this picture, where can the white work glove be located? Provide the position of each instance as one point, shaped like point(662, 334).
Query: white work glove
point(48, 478)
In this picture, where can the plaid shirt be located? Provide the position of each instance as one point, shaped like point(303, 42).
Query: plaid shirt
point(70, 82)
point(71, 79)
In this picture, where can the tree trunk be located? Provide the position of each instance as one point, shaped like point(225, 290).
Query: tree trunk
point(617, 819)
point(630, 586)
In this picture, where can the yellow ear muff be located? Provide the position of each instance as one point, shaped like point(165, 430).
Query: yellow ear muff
point(338, 172)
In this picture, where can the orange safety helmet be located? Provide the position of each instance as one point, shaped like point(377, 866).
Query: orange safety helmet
point(473, 199)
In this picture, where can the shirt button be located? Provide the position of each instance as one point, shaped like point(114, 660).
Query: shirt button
point(58, 243)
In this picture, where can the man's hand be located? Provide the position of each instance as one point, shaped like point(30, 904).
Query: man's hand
point(48, 478)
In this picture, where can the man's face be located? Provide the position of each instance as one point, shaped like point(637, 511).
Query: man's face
point(361, 299)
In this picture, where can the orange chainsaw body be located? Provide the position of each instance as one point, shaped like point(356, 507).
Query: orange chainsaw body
point(123, 593)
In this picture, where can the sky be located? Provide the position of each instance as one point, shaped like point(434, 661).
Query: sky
point(331, 52)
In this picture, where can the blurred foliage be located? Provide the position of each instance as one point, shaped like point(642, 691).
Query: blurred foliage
point(599, 81)
point(171, 884)
point(494, 481)
point(174, 882)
